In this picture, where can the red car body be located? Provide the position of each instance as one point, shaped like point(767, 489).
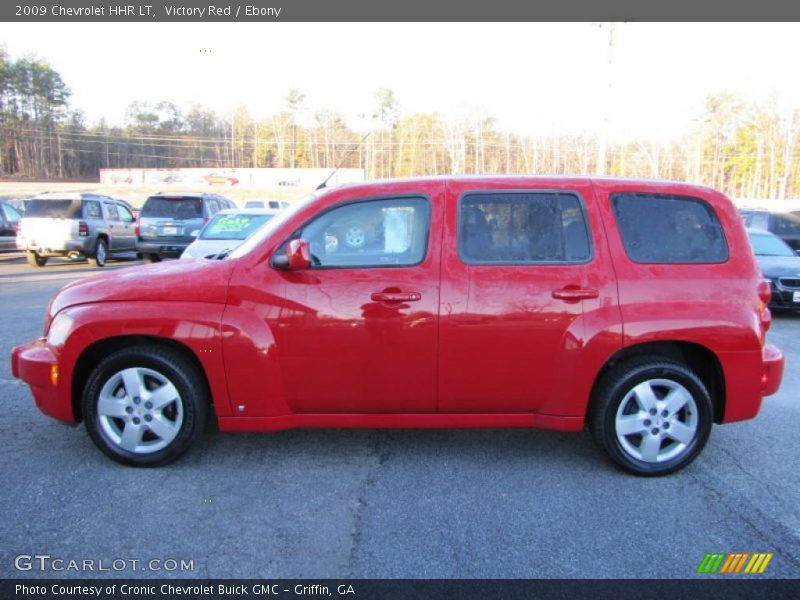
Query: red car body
point(477, 346)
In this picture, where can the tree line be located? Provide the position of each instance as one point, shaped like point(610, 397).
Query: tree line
point(744, 149)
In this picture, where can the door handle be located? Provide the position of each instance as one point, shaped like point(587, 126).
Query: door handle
point(396, 296)
point(573, 294)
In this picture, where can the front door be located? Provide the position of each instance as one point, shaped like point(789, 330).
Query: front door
point(363, 335)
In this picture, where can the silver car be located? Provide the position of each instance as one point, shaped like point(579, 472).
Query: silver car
point(74, 225)
point(227, 230)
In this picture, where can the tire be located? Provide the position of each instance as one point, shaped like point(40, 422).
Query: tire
point(151, 258)
point(354, 235)
point(651, 415)
point(123, 422)
point(100, 253)
point(35, 260)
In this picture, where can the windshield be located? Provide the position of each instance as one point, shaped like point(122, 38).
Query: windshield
point(233, 227)
point(262, 234)
point(765, 244)
point(59, 209)
point(173, 208)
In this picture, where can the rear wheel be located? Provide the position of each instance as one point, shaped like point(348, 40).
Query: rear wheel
point(151, 258)
point(100, 254)
point(36, 260)
point(144, 406)
point(651, 415)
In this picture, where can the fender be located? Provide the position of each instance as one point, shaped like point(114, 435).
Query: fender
point(195, 325)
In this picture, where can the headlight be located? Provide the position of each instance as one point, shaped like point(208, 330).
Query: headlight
point(60, 329)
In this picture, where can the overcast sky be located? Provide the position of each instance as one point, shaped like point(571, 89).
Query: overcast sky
point(532, 77)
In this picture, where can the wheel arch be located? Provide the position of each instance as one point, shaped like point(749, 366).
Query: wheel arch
point(699, 358)
point(95, 352)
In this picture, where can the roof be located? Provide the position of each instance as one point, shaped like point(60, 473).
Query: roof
point(585, 179)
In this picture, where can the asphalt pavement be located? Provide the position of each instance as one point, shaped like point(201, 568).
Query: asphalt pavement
point(355, 503)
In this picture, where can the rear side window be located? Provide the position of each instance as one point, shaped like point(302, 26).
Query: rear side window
point(112, 212)
point(59, 209)
point(91, 210)
point(173, 208)
point(660, 228)
point(787, 224)
point(522, 228)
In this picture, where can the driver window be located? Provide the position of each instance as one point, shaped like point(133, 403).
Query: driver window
point(375, 233)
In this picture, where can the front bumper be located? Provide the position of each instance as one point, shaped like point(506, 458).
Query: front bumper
point(37, 365)
point(771, 369)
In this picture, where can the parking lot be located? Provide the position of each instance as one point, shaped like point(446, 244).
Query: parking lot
point(350, 503)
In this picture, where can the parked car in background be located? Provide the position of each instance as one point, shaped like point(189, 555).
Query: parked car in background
point(635, 308)
point(169, 222)
point(221, 179)
point(226, 230)
point(780, 265)
point(73, 225)
point(273, 204)
point(786, 225)
point(9, 222)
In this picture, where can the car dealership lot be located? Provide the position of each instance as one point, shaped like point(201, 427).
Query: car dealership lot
point(338, 503)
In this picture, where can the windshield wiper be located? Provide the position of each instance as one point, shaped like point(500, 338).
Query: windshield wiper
point(219, 255)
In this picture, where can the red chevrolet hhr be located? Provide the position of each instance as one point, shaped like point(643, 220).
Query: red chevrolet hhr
point(632, 307)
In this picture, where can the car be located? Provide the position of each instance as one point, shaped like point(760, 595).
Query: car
point(221, 179)
point(169, 222)
point(74, 225)
point(9, 222)
point(786, 225)
point(274, 204)
point(553, 302)
point(226, 230)
point(780, 265)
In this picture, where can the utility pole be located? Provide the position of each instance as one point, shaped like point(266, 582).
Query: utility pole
point(603, 142)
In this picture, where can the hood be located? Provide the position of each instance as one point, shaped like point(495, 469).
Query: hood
point(173, 281)
point(202, 248)
point(779, 266)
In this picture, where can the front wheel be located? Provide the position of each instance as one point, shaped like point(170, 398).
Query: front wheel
point(144, 406)
point(651, 415)
point(151, 258)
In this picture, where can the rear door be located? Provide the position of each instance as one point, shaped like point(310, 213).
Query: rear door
point(520, 267)
point(116, 241)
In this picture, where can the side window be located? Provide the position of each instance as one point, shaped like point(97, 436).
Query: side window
point(213, 207)
point(659, 228)
point(12, 216)
point(91, 210)
point(787, 224)
point(522, 228)
point(112, 212)
point(375, 233)
point(124, 214)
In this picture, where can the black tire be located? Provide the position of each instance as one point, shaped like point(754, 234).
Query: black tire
point(186, 414)
point(151, 258)
point(100, 256)
point(614, 397)
point(36, 260)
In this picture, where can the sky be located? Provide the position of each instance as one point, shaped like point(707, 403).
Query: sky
point(533, 78)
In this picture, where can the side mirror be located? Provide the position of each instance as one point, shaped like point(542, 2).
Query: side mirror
point(297, 258)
